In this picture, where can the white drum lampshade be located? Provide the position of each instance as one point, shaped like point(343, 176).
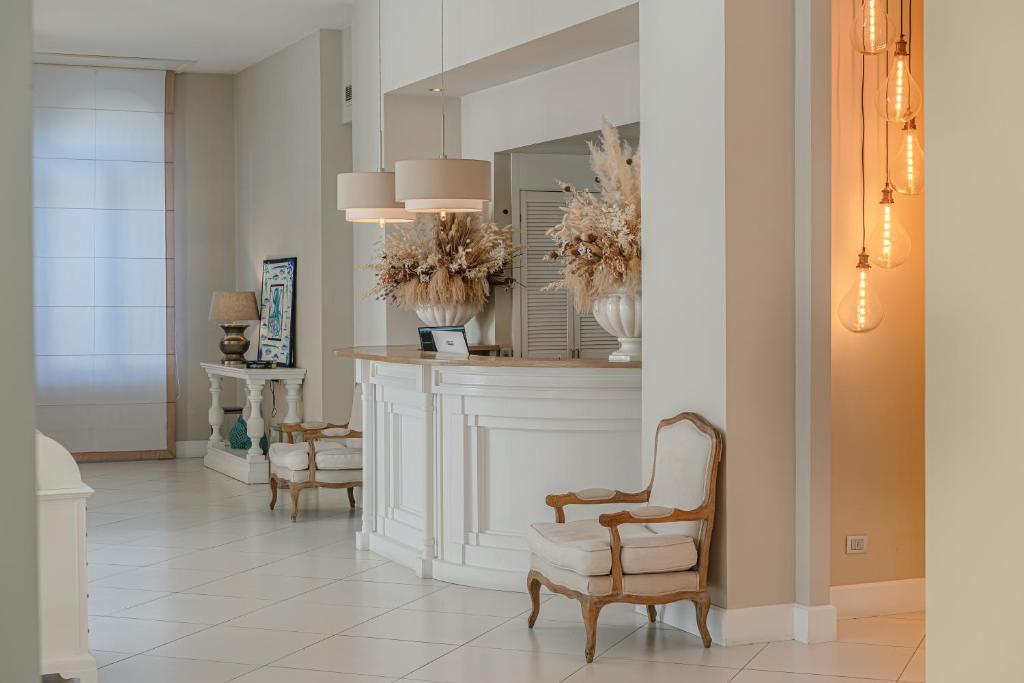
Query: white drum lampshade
point(370, 198)
point(443, 185)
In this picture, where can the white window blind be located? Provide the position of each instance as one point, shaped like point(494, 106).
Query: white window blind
point(551, 326)
point(101, 301)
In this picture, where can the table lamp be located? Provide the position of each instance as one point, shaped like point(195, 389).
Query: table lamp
point(230, 309)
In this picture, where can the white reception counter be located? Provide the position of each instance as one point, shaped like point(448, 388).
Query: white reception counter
point(458, 455)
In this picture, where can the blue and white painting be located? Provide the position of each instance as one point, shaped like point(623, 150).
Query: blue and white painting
point(277, 311)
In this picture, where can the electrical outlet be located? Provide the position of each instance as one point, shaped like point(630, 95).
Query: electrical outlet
point(856, 545)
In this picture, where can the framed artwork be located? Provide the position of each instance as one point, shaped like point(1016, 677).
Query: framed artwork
point(277, 312)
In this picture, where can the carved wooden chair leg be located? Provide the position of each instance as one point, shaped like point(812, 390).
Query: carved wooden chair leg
point(591, 608)
point(273, 491)
point(295, 490)
point(351, 497)
point(533, 587)
point(652, 613)
point(702, 603)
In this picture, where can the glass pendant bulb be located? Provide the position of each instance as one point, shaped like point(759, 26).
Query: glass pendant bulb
point(872, 31)
point(907, 167)
point(860, 310)
point(899, 97)
point(889, 244)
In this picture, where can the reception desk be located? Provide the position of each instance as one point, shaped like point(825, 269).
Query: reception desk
point(458, 454)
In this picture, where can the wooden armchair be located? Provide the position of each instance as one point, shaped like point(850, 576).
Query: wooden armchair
point(650, 555)
point(328, 456)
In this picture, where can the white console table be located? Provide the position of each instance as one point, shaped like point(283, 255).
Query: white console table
point(247, 466)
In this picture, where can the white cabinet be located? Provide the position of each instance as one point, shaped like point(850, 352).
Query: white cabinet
point(63, 614)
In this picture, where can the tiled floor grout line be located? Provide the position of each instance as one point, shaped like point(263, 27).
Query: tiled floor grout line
point(912, 655)
point(465, 644)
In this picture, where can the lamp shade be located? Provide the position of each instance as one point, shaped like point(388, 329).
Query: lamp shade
point(228, 306)
point(370, 198)
point(443, 185)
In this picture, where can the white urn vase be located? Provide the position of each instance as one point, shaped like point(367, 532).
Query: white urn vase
point(446, 315)
point(619, 315)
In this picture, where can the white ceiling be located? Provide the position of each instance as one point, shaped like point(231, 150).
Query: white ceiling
point(215, 36)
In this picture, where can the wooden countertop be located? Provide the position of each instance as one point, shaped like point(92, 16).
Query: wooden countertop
point(411, 355)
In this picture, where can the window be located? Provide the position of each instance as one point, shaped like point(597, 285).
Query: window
point(103, 307)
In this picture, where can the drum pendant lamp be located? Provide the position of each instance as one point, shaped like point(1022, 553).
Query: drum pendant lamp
point(443, 185)
point(370, 197)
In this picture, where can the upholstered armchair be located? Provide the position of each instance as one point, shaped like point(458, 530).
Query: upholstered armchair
point(327, 456)
point(649, 555)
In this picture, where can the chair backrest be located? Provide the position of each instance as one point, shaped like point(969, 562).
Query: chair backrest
point(687, 450)
point(355, 418)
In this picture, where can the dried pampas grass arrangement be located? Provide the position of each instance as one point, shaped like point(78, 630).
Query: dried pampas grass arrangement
point(598, 240)
point(448, 262)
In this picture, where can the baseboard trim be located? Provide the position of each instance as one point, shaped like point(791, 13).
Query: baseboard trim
point(745, 625)
point(121, 456)
point(234, 464)
point(814, 624)
point(879, 598)
point(191, 449)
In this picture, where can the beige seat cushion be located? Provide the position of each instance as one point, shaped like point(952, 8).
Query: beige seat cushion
point(339, 453)
point(653, 585)
point(291, 456)
point(584, 547)
point(326, 476)
point(339, 459)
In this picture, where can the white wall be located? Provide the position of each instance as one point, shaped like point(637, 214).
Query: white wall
point(684, 323)
point(973, 328)
point(204, 232)
point(370, 318)
point(19, 618)
point(473, 30)
point(285, 168)
point(336, 237)
point(554, 104)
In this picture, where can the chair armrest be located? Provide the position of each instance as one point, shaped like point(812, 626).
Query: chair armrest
point(647, 514)
point(558, 501)
point(652, 514)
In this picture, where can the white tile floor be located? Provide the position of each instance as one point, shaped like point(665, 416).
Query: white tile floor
point(194, 580)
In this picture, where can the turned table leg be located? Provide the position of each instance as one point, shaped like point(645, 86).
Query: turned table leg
point(292, 388)
point(255, 427)
point(216, 414)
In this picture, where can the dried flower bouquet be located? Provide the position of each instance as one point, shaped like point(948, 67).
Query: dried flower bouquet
point(445, 263)
point(598, 240)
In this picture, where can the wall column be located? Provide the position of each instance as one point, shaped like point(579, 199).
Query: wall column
point(719, 287)
point(814, 618)
point(973, 327)
point(19, 618)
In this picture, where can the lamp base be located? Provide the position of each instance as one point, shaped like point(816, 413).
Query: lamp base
point(234, 344)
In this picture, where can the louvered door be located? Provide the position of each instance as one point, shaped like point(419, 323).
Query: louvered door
point(550, 326)
point(591, 339)
point(546, 315)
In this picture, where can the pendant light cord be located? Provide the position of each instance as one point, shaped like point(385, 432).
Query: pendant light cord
point(910, 28)
point(863, 172)
point(380, 86)
point(444, 154)
point(885, 122)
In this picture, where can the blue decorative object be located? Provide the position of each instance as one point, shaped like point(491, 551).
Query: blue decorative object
point(238, 438)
